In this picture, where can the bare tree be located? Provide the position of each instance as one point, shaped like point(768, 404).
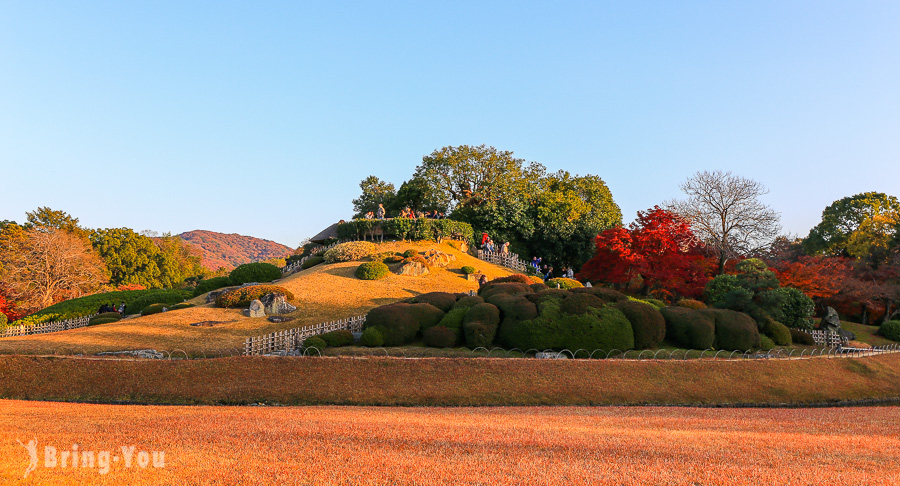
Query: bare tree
point(41, 266)
point(725, 211)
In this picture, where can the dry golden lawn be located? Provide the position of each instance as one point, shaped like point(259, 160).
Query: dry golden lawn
point(323, 293)
point(484, 446)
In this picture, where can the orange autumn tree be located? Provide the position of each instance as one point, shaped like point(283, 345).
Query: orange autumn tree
point(660, 248)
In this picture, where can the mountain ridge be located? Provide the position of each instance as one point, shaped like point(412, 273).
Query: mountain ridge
point(228, 250)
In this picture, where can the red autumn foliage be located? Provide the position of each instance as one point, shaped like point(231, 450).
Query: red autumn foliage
point(660, 248)
point(9, 309)
point(219, 250)
point(131, 287)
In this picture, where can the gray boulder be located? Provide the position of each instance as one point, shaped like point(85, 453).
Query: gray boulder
point(831, 321)
point(257, 309)
point(276, 304)
point(413, 269)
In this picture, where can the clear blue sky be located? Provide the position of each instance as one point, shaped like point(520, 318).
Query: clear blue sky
point(260, 118)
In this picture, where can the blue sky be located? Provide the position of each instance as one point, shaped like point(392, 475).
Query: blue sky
point(261, 118)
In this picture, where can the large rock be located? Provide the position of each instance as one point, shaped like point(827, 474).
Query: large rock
point(275, 304)
point(438, 258)
point(211, 297)
point(413, 269)
point(257, 309)
point(831, 321)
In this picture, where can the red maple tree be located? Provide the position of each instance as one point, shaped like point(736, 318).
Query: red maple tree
point(660, 248)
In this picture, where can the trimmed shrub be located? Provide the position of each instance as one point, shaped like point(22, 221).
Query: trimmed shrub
point(514, 306)
point(183, 305)
point(209, 284)
point(766, 344)
point(605, 328)
point(440, 337)
point(777, 332)
point(168, 297)
point(399, 323)
point(454, 318)
point(563, 283)
point(315, 342)
point(689, 328)
point(409, 253)
point(735, 331)
point(254, 272)
point(655, 303)
point(241, 297)
point(609, 295)
point(442, 300)
point(535, 279)
point(491, 288)
point(135, 300)
point(890, 330)
point(467, 301)
point(691, 304)
point(338, 338)
point(105, 320)
point(371, 337)
point(312, 261)
point(801, 337)
point(468, 269)
point(352, 250)
point(372, 271)
point(153, 309)
point(514, 278)
point(480, 325)
point(555, 295)
point(392, 259)
point(577, 304)
point(115, 316)
point(647, 323)
point(796, 308)
point(537, 287)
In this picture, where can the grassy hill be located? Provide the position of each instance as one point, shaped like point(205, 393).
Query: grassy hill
point(323, 293)
point(230, 250)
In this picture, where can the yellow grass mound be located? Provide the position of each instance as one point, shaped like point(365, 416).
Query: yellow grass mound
point(323, 293)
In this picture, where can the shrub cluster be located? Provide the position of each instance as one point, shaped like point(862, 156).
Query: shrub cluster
point(776, 331)
point(439, 337)
point(352, 250)
point(399, 323)
point(312, 261)
point(372, 271)
point(315, 342)
point(735, 331)
point(409, 253)
point(442, 300)
point(801, 337)
point(689, 328)
point(254, 272)
point(241, 297)
point(168, 298)
point(647, 323)
point(135, 300)
point(106, 317)
point(890, 330)
point(409, 229)
point(563, 283)
point(690, 304)
point(153, 309)
point(105, 320)
point(210, 284)
point(468, 269)
point(371, 337)
point(338, 338)
point(393, 259)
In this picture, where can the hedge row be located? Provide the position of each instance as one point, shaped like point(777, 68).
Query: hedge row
point(135, 300)
point(408, 229)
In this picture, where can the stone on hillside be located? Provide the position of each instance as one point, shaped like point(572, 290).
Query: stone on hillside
point(257, 309)
point(211, 297)
point(276, 303)
point(831, 321)
point(438, 258)
point(413, 269)
point(140, 353)
point(550, 355)
point(278, 319)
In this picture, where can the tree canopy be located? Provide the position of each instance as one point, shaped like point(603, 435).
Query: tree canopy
point(374, 192)
point(865, 227)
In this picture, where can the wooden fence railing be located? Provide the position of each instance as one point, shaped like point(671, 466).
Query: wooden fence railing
point(293, 338)
point(296, 265)
point(827, 338)
point(46, 327)
point(508, 260)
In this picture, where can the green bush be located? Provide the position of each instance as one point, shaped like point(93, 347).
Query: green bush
point(467, 301)
point(537, 287)
point(480, 325)
point(605, 328)
point(440, 337)
point(801, 337)
point(254, 272)
point(735, 331)
point(372, 271)
point(210, 284)
point(890, 330)
point(392, 259)
point(776, 331)
point(608, 295)
point(311, 262)
point(409, 229)
point(371, 337)
point(315, 342)
point(3, 321)
point(115, 316)
point(577, 304)
point(153, 309)
point(468, 269)
point(242, 296)
point(399, 323)
point(766, 344)
point(655, 303)
point(563, 283)
point(796, 308)
point(352, 250)
point(135, 300)
point(105, 320)
point(338, 338)
point(514, 278)
point(183, 305)
point(513, 306)
point(167, 297)
point(691, 304)
point(442, 300)
point(689, 328)
point(492, 288)
point(647, 323)
point(454, 319)
point(409, 253)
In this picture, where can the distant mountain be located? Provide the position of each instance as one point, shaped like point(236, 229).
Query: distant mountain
point(221, 250)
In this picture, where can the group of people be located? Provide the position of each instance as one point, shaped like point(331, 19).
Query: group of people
point(546, 271)
point(487, 244)
point(107, 307)
point(406, 213)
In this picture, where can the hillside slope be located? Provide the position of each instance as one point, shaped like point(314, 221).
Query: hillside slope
point(219, 250)
point(323, 293)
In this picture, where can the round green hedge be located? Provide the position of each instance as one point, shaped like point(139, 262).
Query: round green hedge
point(890, 330)
point(315, 342)
point(440, 337)
point(115, 316)
point(210, 284)
point(647, 323)
point(371, 337)
point(468, 269)
point(563, 283)
point(689, 328)
point(442, 300)
point(338, 338)
point(372, 271)
point(311, 262)
point(254, 272)
point(105, 320)
point(410, 253)
point(153, 309)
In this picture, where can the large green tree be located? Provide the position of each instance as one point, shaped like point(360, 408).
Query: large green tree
point(865, 226)
point(130, 257)
point(50, 218)
point(374, 192)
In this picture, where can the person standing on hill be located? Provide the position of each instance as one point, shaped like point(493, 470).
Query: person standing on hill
point(379, 213)
point(504, 248)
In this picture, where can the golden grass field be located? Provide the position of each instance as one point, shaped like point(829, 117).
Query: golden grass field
point(434, 446)
point(323, 293)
